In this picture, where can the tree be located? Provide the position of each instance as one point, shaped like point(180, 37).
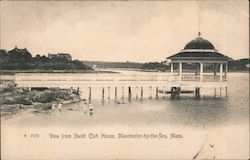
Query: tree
point(3, 53)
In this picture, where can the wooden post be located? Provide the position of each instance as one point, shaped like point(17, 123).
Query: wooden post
point(115, 92)
point(77, 91)
point(89, 93)
point(221, 70)
point(226, 91)
point(220, 91)
point(122, 92)
point(156, 94)
point(136, 92)
point(102, 92)
point(141, 92)
point(129, 92)
point(108, 92)
point(172, 92)
point(197, 92)
point(179, 92)
point(150, 92)
point(214, 92)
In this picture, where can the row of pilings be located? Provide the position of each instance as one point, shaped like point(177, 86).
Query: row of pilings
point(175, 92)
point(123, 93)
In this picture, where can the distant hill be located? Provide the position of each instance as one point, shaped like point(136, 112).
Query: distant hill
point(234, 65)
point(101, 64)
point(239, 65)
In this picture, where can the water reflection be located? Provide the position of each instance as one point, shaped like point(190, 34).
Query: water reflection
point(203, 112)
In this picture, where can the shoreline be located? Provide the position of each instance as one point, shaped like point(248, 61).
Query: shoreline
point(12, 72)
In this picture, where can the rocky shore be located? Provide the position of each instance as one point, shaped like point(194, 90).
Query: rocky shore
point(14, 99)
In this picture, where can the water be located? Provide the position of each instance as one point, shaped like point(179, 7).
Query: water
point(225, 120)
point(187, 111)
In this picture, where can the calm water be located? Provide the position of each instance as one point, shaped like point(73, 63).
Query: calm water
point(188, 111)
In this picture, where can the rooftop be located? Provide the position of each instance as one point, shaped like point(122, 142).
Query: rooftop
point(199, 49)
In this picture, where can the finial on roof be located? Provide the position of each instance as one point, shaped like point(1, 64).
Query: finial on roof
point(199, 34)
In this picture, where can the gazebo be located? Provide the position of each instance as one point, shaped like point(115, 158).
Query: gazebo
point(200, 52)
point(199, 56)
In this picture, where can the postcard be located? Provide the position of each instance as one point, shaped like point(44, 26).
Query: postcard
point(124, 79)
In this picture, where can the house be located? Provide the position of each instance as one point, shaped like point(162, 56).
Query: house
point(60, 55)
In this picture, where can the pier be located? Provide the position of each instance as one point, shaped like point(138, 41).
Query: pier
point(123, 86)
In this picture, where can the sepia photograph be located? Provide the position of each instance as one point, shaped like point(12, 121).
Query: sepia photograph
point(133, 79)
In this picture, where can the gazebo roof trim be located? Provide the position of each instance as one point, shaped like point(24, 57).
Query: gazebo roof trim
point(199, 55)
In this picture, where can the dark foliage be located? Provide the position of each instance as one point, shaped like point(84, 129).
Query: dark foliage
point(234, 65)
point(240, 64)
point(21, 59)
point(155, 66)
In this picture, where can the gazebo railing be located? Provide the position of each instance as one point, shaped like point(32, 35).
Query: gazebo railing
point(196, 78)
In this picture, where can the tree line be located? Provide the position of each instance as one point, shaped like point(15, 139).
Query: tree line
point(21, 59)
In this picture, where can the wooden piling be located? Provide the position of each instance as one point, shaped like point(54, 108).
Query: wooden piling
point(178, 92)
point(102, 92)
point(136, 92)
point(226, 91)
point(115, 92)
point(108, 92)
point(197, 92)
point(129, 92)
point(150, 92)
point(89, 93)
point(214, 92)
point(156, 94)
point(220, 91)
point(122, 92)
point(172, 92)
point(141, 92)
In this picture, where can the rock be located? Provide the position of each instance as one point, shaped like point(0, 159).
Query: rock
point(8, 100)
point(26, 97)
point(22, 90)
point(25, 101)
point(47, 96)
point(16, 100)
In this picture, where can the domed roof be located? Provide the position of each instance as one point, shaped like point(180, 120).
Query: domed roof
point(199, 43)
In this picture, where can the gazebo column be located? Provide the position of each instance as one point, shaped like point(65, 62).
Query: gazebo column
point(180, 71)
point(226, 70)
point(196, 69)
point(221, 71)
point(172, 68)
point(215, 69)
point(201, 71)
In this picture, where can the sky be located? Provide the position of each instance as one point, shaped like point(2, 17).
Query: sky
point(136, 31)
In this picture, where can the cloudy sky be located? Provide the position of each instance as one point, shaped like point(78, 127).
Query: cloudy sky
point(138, 31)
